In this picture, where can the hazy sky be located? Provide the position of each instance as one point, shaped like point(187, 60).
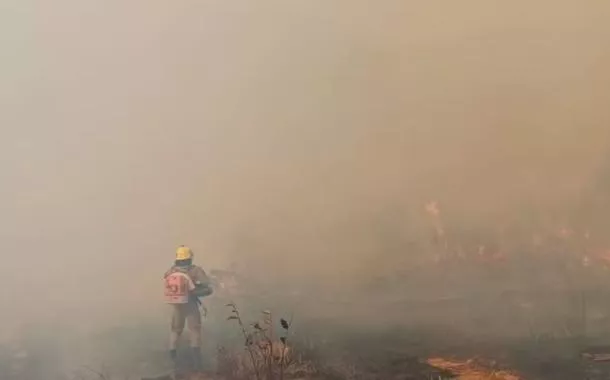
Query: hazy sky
point(278, 127)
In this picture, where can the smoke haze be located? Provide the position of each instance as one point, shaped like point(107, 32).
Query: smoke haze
point(296, 138)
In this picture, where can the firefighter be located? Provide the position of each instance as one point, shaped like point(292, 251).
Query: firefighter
point(185, 283)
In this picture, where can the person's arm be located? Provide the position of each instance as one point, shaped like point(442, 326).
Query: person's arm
point(203, 285)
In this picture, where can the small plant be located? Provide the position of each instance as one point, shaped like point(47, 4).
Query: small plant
point(286, 326)
point(267, 355)
point(248, 341)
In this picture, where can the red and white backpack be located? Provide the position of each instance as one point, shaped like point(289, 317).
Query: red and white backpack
point(178, 285)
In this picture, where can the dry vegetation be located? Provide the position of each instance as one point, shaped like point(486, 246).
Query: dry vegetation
point(268, 357)
point(542, 305)
point(537, 330)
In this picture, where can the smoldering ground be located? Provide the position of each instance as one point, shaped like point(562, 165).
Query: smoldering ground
point(300, 140)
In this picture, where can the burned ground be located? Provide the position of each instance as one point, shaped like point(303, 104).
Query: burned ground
point(349, 347)
point(462, 314)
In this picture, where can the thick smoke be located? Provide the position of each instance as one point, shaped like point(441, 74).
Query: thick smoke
point(298, 139)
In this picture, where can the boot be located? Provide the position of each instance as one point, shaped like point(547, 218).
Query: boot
point(196, 361)
point(173, 355)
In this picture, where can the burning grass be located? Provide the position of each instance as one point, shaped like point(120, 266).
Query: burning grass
point(471, 370)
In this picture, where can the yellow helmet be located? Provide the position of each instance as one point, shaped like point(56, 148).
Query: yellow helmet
point(184, 253)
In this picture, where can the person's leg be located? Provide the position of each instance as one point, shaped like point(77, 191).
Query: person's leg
point(177, 326)
point(193, 320)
